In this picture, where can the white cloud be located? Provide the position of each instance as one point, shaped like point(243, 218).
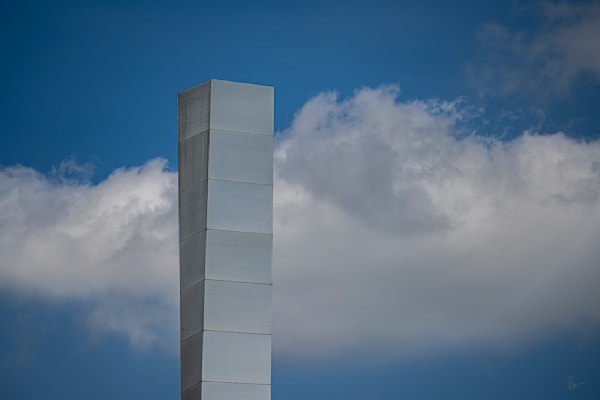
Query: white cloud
point(392, 235)
point(544, 62)
point(115, 240)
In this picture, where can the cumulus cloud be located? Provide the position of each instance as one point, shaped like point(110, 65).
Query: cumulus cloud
point(395, 234)
point(544, 62)
point(67, 239)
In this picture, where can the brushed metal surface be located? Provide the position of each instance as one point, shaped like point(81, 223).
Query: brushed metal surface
point(191, 259)
point(235, 391)
point(238, 256)
point(191, 361)
point(241, 207)
point(192, 310)
point(193, 160)
point(193, 108)
point(241, 107)
point(236, 357)
point(237, 307)
point(240, 157)
point(225, 145)
point(192, 210)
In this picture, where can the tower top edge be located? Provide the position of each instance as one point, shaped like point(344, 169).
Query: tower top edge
point(212, 81)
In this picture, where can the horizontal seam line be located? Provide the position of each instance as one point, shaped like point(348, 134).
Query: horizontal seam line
point(225, 230)
point(222, 280)
point(225, 130)
point(222, 230)
point(235, 383)
point(197, 182)
point(238, 332)
point(192, 135)
point(248, 182)
point(241, 132)
point(217, 331)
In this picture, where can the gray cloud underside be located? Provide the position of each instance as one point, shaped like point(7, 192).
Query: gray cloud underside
point(392, 236)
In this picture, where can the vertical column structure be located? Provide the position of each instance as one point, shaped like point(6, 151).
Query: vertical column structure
point(225, 240)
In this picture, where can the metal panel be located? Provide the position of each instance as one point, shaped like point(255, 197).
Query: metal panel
point(192, 310)
point(236, 357)
point(241, 107)
point(242, 207)
point(192, 210)
point(191, 260)
point(237, 307)
point(193, 160)
point(235, 391)
point(193, 393)
point(238, 256)
point(241, 157)
point(191, 361)
point(193, 108)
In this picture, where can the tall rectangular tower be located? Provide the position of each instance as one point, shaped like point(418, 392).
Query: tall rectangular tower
point(225, 240)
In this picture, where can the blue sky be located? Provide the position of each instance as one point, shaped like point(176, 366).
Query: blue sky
point(437, 194)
